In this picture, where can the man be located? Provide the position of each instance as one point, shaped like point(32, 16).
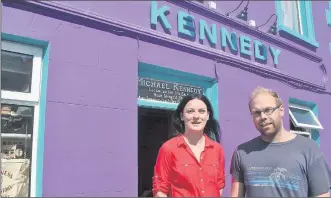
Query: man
point(277, 163)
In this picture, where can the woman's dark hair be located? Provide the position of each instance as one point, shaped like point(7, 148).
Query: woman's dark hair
point(212, 129)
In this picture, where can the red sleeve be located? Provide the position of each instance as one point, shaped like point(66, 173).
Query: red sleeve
point(161, 181)
point(221, 173)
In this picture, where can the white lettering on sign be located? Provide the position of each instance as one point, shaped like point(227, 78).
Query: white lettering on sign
point(157, 90)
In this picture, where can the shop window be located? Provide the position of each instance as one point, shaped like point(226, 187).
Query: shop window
point(303, 120)
point(296, 20)
point(20, 93)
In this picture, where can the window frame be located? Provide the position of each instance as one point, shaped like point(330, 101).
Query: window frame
point(301, 125)
point(28, 99)
point(300, 16)
point(34, 95)
point(306, 16)
point(302, 133)
point(157, 72)
point(328, 15)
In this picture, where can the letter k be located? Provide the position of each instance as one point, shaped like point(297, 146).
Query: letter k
point(161, 12)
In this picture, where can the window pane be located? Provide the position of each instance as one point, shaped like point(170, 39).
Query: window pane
point(294, 128)
point(305, 135)
point(291, 15)
point(16, 142)
point(16, 71)
point(303, 116)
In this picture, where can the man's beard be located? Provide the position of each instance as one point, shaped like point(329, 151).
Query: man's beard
point(274, 132)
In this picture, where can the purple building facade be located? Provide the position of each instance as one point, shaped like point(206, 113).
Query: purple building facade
point(103, 70)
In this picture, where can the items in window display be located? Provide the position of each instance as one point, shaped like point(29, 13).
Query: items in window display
point(15, 178)
point(15, 119)
point(15, 156)
point(11, 122)
point(13, 151)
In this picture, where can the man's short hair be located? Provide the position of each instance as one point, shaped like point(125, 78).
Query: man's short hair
point(261, 90)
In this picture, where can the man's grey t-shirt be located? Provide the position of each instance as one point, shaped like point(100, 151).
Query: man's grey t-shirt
point(295, 168)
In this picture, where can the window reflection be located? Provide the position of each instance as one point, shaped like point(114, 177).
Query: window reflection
point(16, 72)
point(303, 116)
point(16, 151)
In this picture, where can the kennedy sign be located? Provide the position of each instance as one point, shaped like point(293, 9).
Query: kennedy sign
point(186, 29)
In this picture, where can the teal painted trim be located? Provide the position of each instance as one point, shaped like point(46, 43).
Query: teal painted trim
point(156, 105)
point(210, 85)
point(308, 104)
point(166, 74)
point(42, 122)
point(304, 18)
point(24, 40)
point(42, 105)
point(279, 12)
point(328, 14)
point(307, 21)
point(328, 17)
point(297, 35)
point(315, 134)
point(212, 95)
point(214, 100)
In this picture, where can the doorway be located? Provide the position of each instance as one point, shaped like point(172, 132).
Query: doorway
point(154, 128)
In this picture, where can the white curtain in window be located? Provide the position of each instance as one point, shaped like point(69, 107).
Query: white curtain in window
point(291, 13)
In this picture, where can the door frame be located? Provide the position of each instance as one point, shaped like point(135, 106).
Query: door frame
point(210, 86)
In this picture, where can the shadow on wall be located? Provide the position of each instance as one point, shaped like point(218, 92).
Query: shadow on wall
point(297, 41)
point(119, 32)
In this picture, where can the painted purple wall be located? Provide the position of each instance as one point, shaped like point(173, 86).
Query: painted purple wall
point(90, 149)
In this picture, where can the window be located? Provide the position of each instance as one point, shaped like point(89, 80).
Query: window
point(328, 14)
point(301, 131)
point(292, 16)
point(20, 93)
point(295, 19)
point(198, 1)
point(303, 120)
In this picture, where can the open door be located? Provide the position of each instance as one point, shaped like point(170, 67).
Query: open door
point(154, 128)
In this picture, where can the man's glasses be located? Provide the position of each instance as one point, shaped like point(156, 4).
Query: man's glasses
point(266, 111)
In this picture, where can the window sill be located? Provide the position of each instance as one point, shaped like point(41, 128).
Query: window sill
point(312, 43)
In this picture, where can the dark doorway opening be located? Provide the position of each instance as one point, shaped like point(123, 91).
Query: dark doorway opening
point(154, 128)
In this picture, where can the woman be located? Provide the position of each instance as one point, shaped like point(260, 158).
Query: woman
point(191, 164)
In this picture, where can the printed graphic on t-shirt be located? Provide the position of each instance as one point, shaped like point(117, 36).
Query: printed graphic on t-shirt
point(272, 177)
